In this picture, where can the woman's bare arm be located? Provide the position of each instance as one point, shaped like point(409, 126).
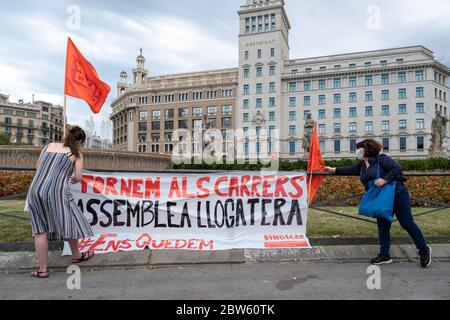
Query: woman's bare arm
point(79, 168)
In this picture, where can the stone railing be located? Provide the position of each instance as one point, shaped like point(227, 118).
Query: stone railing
point(26, 156)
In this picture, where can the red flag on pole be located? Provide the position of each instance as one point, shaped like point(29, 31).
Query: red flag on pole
point(82, 81)
point(315, 164)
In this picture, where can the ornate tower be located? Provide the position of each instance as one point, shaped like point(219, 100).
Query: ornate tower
point(122, 85)
point(263, 50)
point(140, 73)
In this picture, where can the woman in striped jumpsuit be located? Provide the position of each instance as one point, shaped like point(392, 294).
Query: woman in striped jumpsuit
point(53, 212)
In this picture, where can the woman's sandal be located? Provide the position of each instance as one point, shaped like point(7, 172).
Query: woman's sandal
point(84, 257)
point(40, 275)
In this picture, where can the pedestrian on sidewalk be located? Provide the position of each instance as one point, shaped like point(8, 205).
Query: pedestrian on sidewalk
point(53, 212)
point(369, 154)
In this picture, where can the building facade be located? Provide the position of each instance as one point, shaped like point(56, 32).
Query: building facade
point(148, 112)
point(389, 95)
point(37, 123)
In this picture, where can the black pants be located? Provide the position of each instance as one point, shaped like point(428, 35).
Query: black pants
point(402, 209)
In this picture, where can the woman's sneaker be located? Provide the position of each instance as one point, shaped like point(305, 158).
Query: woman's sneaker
point(425, 257)
point(380, 260)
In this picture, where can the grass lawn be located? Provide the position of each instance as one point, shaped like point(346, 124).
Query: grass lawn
point(320, 224)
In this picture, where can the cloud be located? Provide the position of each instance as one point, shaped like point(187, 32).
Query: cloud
point(182, 36)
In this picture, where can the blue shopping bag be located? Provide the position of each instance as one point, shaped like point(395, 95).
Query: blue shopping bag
point(379, 202)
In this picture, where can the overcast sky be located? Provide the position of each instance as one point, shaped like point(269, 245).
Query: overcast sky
point(180, 35)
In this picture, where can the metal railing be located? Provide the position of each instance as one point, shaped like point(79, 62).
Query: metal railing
point(320, 206)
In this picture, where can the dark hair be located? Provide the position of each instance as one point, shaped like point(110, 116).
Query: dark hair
point(73, 135)
point(371, 147)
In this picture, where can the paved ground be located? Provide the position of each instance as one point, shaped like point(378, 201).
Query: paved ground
point(403, 280)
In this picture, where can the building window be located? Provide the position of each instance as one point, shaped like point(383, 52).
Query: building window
point(322, 146)
point(292, 148)
point(385, 110)
point(259, 53)
point(369, 96)
point(352, 145)
point(322, 114)
point(420, 143)
point(272, 102)
point(352, 82)
point(307, 101)
point(402, 77)
point(352, 127)
point(368, 80)
point(246, 89)
point(246, 73)
point(292, 101)
point(420, 108)
point(307, 86)
point(246, 55)
point(337, 128)
point(385, 126)
point(212, 111)
point(322, 99)
point(272, 52)
point(322, 84)
point(272, 87)
point(292, 116)
point(402, 143)
point(419, 92)
point(419, 75)
point(197, 111)
point(402, 109)
point(246, 104)
point(272, 116)
point(337, 98)
point(322, 129)
point(420, 124)
point(385, 144)
point(352, 97)
point(337, 83)
point(369, 126)
point(402, 124)
point(352, 112)
point(337, 146)
point(369, 111)
point(385, 95)
point(385, 78)
point(259, 103)
point(292, 87)
point(259, 88)
point(292, 131)
point(259, 71)
point(228, 109)
point(272, 71)
point(337, 113)
point(246, 117)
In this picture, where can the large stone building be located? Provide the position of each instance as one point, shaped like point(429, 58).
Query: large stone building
point(147, 112)
point(37, 123)
point(390, 95)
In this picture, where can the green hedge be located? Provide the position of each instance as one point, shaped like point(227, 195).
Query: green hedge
point(435, 164)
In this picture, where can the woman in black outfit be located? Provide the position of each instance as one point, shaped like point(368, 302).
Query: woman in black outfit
point(368, 152)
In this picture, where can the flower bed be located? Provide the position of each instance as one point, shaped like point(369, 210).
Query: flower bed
point(332, 189)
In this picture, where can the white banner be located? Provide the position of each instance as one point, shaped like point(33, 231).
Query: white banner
point(214, 211)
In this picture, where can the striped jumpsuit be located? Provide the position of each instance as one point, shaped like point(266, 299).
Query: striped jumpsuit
point(50, 202)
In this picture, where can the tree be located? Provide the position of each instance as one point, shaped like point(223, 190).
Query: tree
point(4, 139)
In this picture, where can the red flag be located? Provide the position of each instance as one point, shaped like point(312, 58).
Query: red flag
point(82, 81)
point(315, 164)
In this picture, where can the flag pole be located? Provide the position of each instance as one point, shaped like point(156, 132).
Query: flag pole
point(65, 116)
point(311, 175)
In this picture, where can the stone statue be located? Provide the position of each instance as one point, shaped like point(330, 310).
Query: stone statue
point(206, 125)
point(309, 129)
point(438, 135)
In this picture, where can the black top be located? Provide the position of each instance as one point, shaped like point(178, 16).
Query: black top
point(390, 171)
